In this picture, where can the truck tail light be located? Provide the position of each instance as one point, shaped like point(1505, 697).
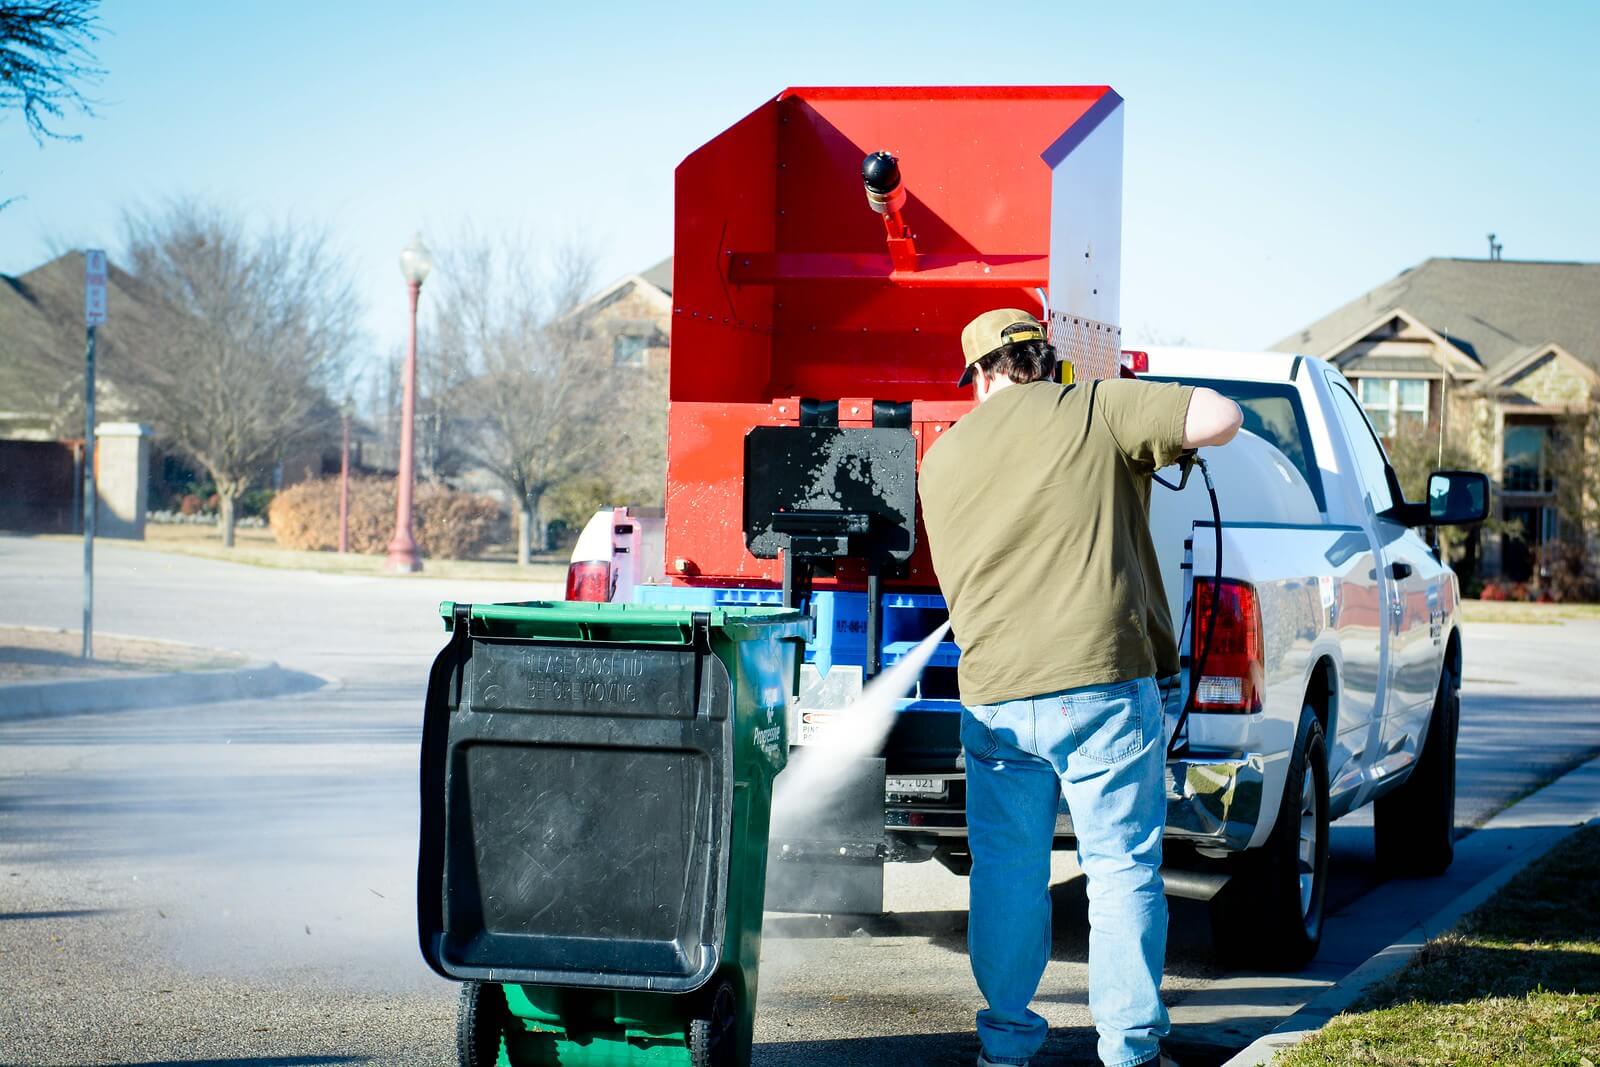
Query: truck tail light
point(1234, 671)
point(590, 580)
point(1136, 362)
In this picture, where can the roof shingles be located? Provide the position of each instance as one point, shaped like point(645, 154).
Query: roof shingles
point(1494, 310)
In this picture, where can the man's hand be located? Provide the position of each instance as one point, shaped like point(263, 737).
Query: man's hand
point(1213, 419)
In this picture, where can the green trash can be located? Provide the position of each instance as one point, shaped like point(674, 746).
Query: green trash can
point(596, 792)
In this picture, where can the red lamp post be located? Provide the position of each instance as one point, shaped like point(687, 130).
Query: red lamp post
point(415, 262)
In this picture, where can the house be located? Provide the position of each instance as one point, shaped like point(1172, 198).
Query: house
point(42, 342)
point(1502, 357)
point(633, 316)
point(42, 338)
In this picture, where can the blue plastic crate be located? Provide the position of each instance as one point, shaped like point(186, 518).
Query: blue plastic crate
point(841, 622)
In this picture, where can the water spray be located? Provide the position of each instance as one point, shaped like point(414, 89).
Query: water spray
point(816, 773)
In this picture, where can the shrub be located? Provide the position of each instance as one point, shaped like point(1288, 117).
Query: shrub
point(1493, 591)
point(447, 524)
point(190, 504)
point(454, 525)
point(1567, 572)
point(254, 502)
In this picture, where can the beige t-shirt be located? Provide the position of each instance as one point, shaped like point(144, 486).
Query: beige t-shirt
point(1037, 509)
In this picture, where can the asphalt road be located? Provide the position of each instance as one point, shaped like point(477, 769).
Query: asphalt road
point(234, 883)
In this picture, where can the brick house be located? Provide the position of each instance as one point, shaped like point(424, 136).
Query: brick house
point(633, 316)
point(1505, 352)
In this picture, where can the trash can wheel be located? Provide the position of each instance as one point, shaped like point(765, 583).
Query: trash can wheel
point(480, 1022)
point(713, 1037)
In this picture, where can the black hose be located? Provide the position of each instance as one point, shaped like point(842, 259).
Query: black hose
point(1180, 743)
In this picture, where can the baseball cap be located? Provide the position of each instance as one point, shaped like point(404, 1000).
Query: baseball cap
point(993, 330)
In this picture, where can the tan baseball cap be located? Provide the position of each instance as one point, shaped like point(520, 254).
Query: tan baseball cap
point(993, 330)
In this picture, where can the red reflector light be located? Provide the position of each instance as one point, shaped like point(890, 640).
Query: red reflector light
point(1138, 362)
point(589, 581)
point(1234, 670)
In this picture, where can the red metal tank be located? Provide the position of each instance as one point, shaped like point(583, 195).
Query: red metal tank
point(786, 285)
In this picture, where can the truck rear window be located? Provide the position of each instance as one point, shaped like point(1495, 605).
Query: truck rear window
point(1272, 411)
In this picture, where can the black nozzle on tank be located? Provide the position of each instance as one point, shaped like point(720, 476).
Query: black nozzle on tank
point(880, 172)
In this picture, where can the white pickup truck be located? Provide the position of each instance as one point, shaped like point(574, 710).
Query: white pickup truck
point(1333, 677)
point(1330, 679)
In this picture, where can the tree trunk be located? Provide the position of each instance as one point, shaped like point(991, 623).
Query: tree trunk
point(225, 517)
point(541, 529)
point(524, 533)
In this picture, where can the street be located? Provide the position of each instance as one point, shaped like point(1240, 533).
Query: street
point(234, 883)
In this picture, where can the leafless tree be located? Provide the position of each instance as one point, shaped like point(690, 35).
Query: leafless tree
point(533, 399)
point(441, 382)
point(254, 330)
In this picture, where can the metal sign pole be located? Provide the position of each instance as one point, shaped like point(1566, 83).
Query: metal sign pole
point(88, 498)
point(95, 277)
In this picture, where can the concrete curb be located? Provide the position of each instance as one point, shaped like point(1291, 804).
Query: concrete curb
point(1387, 961)
point(36, 700)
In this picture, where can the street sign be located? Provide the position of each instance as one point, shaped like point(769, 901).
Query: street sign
point(94, 287)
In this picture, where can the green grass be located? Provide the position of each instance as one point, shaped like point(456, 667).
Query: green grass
point(1521, 612)
point(1517, 984)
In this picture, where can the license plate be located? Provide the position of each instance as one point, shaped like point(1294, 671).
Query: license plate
point(812, 725)
point(916, 787)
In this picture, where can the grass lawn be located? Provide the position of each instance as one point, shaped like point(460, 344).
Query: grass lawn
point(1517, 984)
point(255, 546)
point(1520, 611)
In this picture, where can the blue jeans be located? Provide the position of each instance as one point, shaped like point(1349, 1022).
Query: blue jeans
point(1104, 747)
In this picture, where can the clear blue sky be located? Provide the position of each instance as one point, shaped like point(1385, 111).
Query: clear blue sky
point(1280, 158)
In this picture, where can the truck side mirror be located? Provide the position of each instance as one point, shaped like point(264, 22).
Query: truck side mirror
point(1457, 498)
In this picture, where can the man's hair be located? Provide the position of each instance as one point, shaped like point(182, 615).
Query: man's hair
point(1022, 362)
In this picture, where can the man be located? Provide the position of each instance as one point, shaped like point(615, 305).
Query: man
point(1036, 505)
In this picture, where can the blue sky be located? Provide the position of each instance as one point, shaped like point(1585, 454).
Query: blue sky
point(1280, 158)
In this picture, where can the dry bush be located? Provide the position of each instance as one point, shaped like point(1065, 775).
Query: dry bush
point(452, 524)
point(447, 524)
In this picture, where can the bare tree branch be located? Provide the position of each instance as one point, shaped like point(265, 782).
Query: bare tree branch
point(254, 332)
point(532, 388)
point(44, 56)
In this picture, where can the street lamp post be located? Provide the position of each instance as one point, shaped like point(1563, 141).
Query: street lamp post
point(415, 262)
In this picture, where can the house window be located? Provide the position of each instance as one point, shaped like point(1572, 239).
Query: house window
point(1392, 403)
point(1525, 455)
point(628, 350)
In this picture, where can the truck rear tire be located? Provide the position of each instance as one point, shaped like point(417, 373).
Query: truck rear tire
point(1270, 914)
point(480, 1022)
point(1414, 827)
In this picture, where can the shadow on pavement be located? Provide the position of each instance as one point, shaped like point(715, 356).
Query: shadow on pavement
point(1188, 936)
point(1068, 1047)
point(72, 913)
point(933, 1050)
point(256, 1061)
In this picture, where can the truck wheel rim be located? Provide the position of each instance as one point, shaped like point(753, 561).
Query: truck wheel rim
point(1308, 841)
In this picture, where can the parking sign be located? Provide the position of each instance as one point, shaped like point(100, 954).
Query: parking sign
point(94, 287)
